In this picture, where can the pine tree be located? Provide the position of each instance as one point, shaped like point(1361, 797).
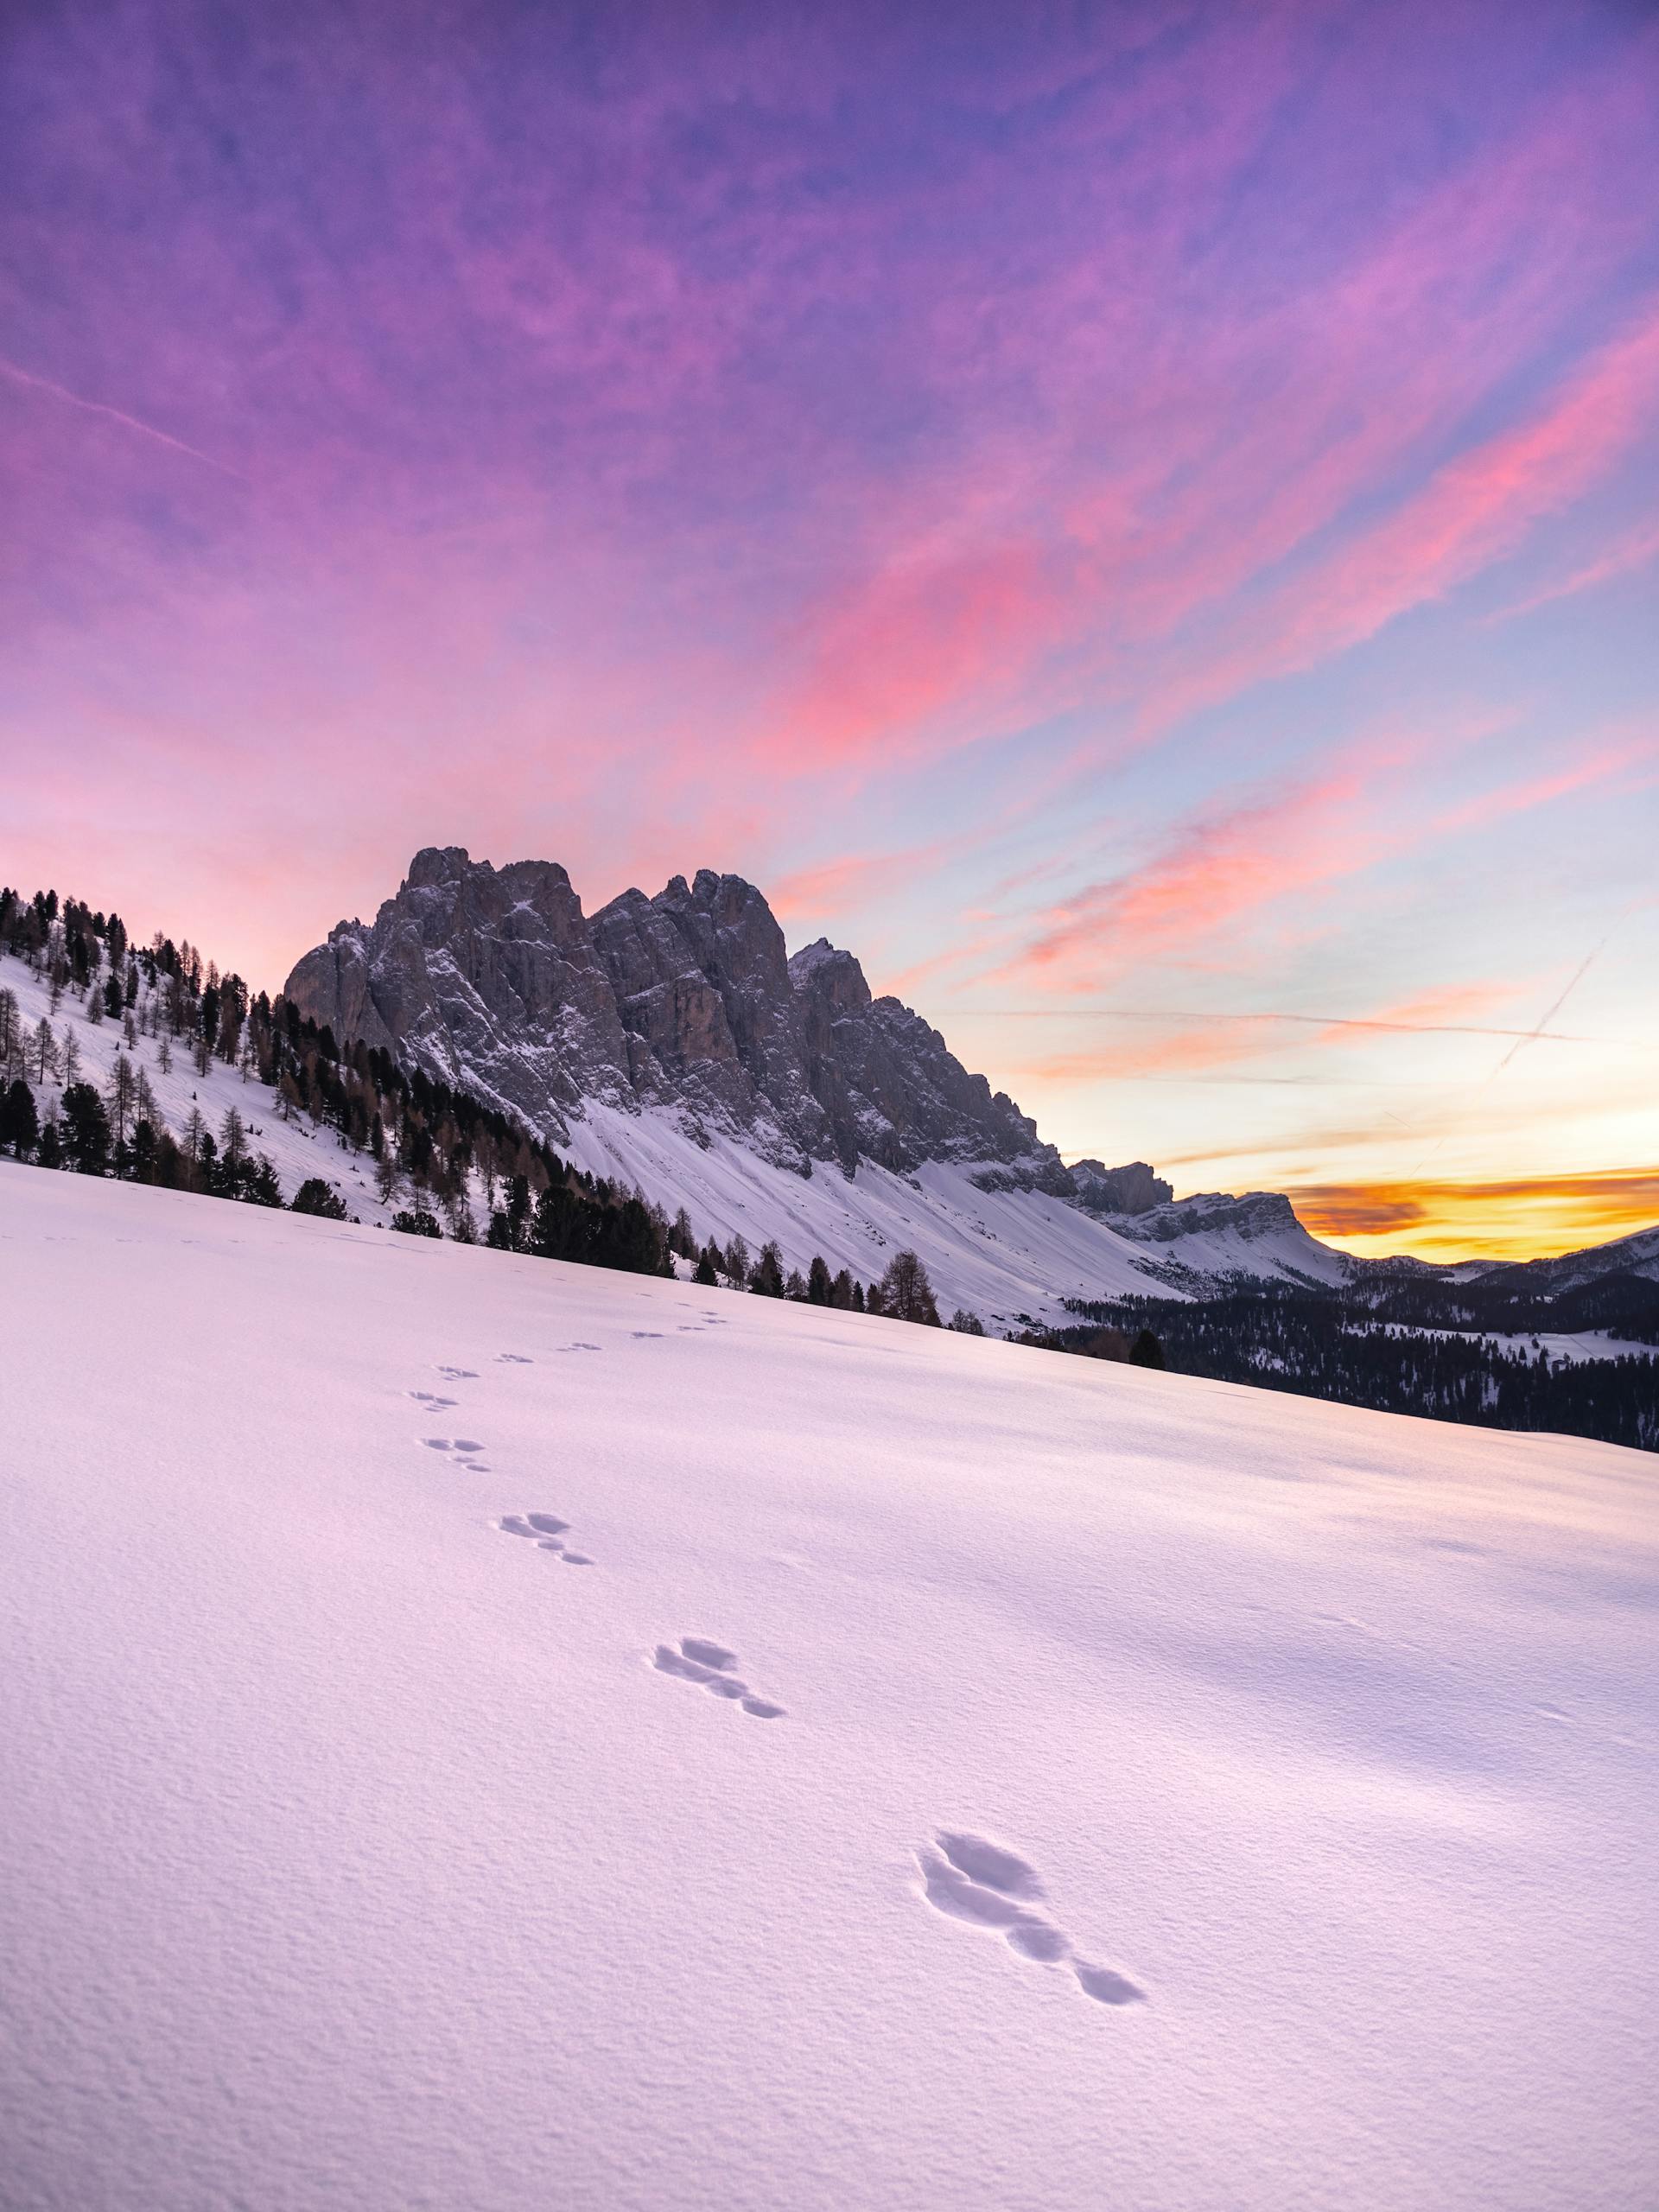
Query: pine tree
point(20, 1125)
point(767, 1281)
point(706, 1273)
point(50, 1154)
point(233, 1140)
point(43, 1051)
point(144, 1151)
point(1146, 1350)
point(70, 1060)
point(818, 1286)
point(164, 1055)
point(122, 1096)
point(144, 1106)
point(966, 1324)
point(906, 1294)
point(519, 1209)
point(680, 1238)
point(313, 1196)
point(10, 1030)
point(262, 1188)
point(85, 1130)
point(737, 1262)
point(841, 1292)
point(856, 1301)
point(794, 1287)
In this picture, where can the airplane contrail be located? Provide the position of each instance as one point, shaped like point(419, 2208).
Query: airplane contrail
point(27, 378)
point(1577, 977)
point(1309, 1020)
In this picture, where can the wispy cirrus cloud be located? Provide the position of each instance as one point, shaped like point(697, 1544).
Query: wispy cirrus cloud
point(1230, 865)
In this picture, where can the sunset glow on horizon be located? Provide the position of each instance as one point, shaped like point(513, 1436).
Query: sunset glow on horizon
point(1144, 531)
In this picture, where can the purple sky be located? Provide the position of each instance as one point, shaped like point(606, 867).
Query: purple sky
point(1141, 521)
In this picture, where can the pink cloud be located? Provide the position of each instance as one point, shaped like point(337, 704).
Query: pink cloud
point(1224, 867)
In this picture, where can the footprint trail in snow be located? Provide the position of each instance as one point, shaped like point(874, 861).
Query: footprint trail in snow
point(709, 1664)
point(968, 1878)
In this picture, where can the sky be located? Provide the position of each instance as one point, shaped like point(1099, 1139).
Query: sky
point(1140, 521)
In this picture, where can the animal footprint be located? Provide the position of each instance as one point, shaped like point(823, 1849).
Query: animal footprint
point(580, 1346)
point(548, 1532)
point(967, 1878)
point(431, 1399)
point(465, 1447)
point(459, 1374)
point(708, 1664)
point(655, 1333)
point(514, 1359)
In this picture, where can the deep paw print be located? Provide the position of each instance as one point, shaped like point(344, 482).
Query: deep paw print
point(580, 1346)
point(459, 1374)
point(432, 1401)
point(968, 1878)
point(466, 1449)
point(709, 1665)
point(548, 1531)
point(514, 1359)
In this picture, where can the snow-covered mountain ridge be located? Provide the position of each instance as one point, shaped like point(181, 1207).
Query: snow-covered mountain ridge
point(672, 1043)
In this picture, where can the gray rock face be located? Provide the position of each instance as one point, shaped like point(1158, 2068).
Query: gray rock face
point(1257, 1214)
point(1131, 1190)
point(494, 979)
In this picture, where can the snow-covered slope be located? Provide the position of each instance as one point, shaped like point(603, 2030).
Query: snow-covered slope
point(1201, 1243)
point(1628, 1256)
point(359, 1850)
point(298, 1149)
point(1006, 1254)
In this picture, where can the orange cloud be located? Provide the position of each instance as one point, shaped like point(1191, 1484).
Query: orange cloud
point(1525, 1218)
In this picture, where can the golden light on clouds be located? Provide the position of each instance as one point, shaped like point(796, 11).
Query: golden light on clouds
point(1520, 1219)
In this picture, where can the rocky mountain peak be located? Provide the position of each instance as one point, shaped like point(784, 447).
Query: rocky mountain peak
point(829, 974)
point(687, 1002)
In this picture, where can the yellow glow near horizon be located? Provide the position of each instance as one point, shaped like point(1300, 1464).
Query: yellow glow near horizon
point(1523, 1219)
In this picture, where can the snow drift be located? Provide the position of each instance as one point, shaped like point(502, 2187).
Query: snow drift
point(481, 1732)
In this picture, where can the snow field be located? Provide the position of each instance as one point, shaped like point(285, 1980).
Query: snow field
point(1173, 1797)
